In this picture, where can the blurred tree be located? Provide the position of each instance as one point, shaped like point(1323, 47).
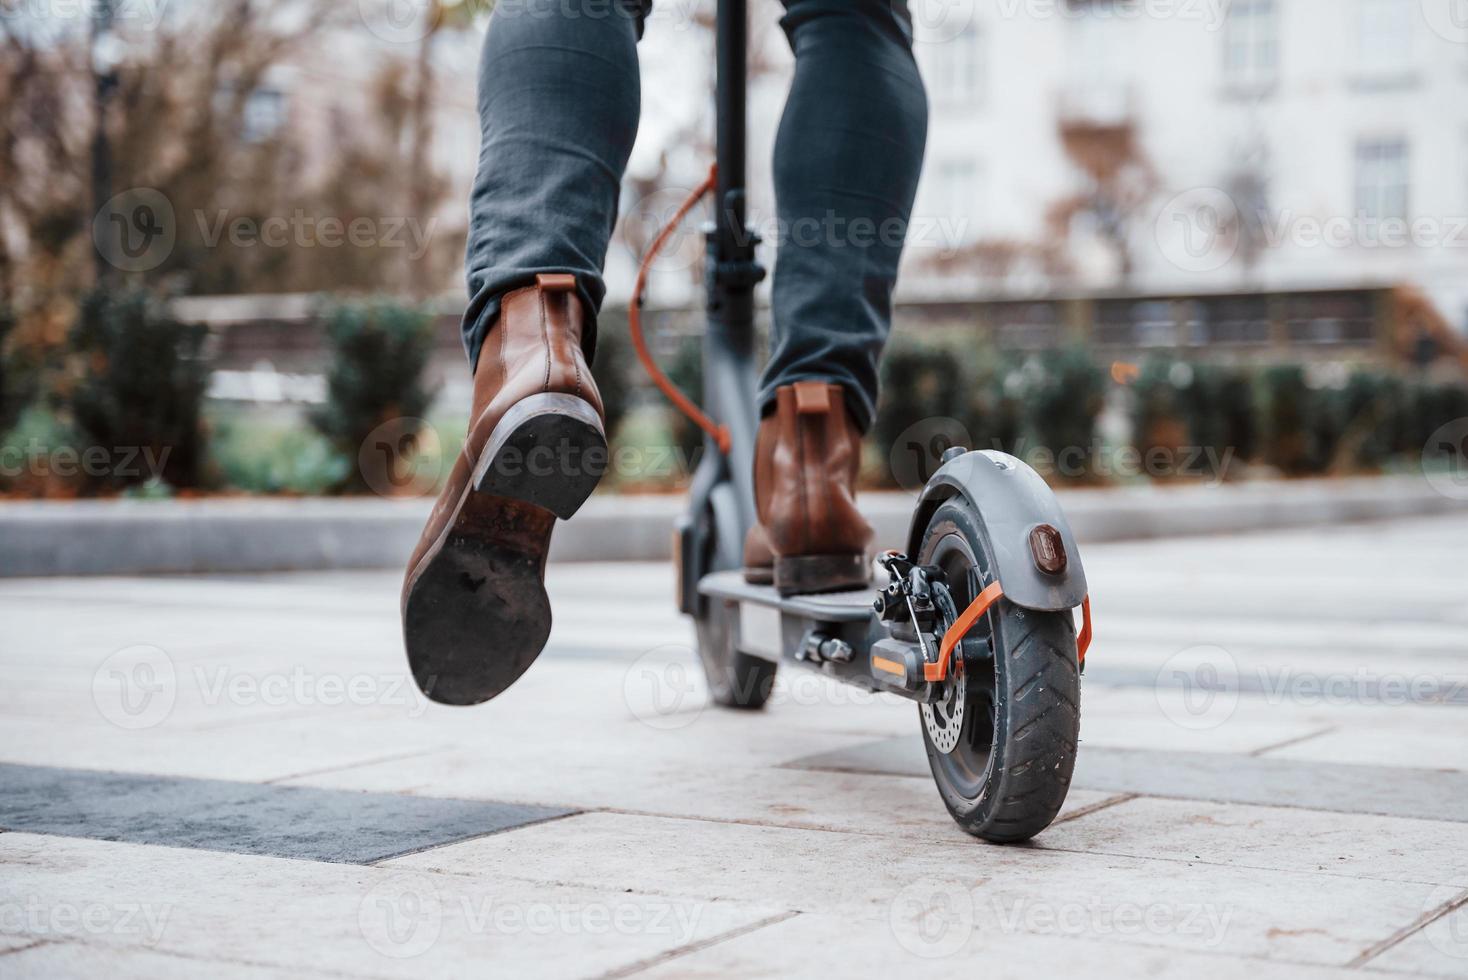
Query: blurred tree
point(1120, 184)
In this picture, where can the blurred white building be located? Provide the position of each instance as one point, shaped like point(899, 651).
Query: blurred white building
point(1330, 136)
point(1280, 144)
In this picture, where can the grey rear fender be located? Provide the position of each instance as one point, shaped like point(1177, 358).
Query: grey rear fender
point(1010, 500)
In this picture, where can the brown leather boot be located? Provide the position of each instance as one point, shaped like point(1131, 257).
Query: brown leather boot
point(475, 612)
point(810, 535)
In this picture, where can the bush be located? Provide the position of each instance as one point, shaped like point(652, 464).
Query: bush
point(1180, 404)
point(17, 384)
point(140, 390)
point(1062, 393)
point(1288, 418)
point(379, 351)
point(613, 367)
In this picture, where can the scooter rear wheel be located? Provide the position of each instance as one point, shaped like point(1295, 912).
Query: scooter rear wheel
point(735, 679)
point(1006, 774)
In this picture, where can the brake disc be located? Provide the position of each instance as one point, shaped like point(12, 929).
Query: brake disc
point(944, 720)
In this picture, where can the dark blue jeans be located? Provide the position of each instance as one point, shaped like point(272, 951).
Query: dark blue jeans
point(559, 100)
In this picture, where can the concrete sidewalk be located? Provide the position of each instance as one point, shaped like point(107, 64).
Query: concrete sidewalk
point(239, 781)
point(273, 534)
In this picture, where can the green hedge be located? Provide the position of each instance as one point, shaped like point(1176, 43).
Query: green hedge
point(137, 391)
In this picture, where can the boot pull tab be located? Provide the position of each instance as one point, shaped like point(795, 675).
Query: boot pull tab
point(556, 282)
point(812, 397)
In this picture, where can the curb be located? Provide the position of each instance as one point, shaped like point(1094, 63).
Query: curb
point(130, 537)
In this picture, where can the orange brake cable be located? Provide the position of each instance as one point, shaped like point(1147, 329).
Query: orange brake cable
point(684, 404)
point(935, 672)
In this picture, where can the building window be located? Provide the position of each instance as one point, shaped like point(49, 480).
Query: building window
point(263, 115)
point(1251, 43)
point(1383, 181)
point(957, 68)
point(1384, 35)
point(956, 193)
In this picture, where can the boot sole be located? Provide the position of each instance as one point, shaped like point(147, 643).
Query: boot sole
point(809, 574)
point(476, 615)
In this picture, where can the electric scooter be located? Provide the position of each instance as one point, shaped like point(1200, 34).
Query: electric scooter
point(972, 619)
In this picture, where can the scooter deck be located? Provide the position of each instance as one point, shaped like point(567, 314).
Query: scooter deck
point(831, 607)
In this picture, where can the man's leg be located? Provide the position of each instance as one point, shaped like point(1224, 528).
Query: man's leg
point(558, 107)
point(847, 159)
point(559, 102)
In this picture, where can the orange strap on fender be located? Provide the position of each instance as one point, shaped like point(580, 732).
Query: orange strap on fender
point(1083, 642)
point(682, 402)
point(965, 622)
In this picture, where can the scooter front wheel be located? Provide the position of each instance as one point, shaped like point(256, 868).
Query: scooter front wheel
point(1002, 742)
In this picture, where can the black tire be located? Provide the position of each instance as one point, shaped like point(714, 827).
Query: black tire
point(1009, 773)
point(736, 680)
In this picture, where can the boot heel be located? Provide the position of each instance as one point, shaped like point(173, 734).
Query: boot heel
point(549, 450)
point(806, 574)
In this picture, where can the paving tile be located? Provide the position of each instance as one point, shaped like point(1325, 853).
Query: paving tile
point(1423, 794)
point(330, 918)
point(944, 946)
point(1440, 949)
point(84, 961)
point(1234, 911)
point(1275, 838)
point(245, 818)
